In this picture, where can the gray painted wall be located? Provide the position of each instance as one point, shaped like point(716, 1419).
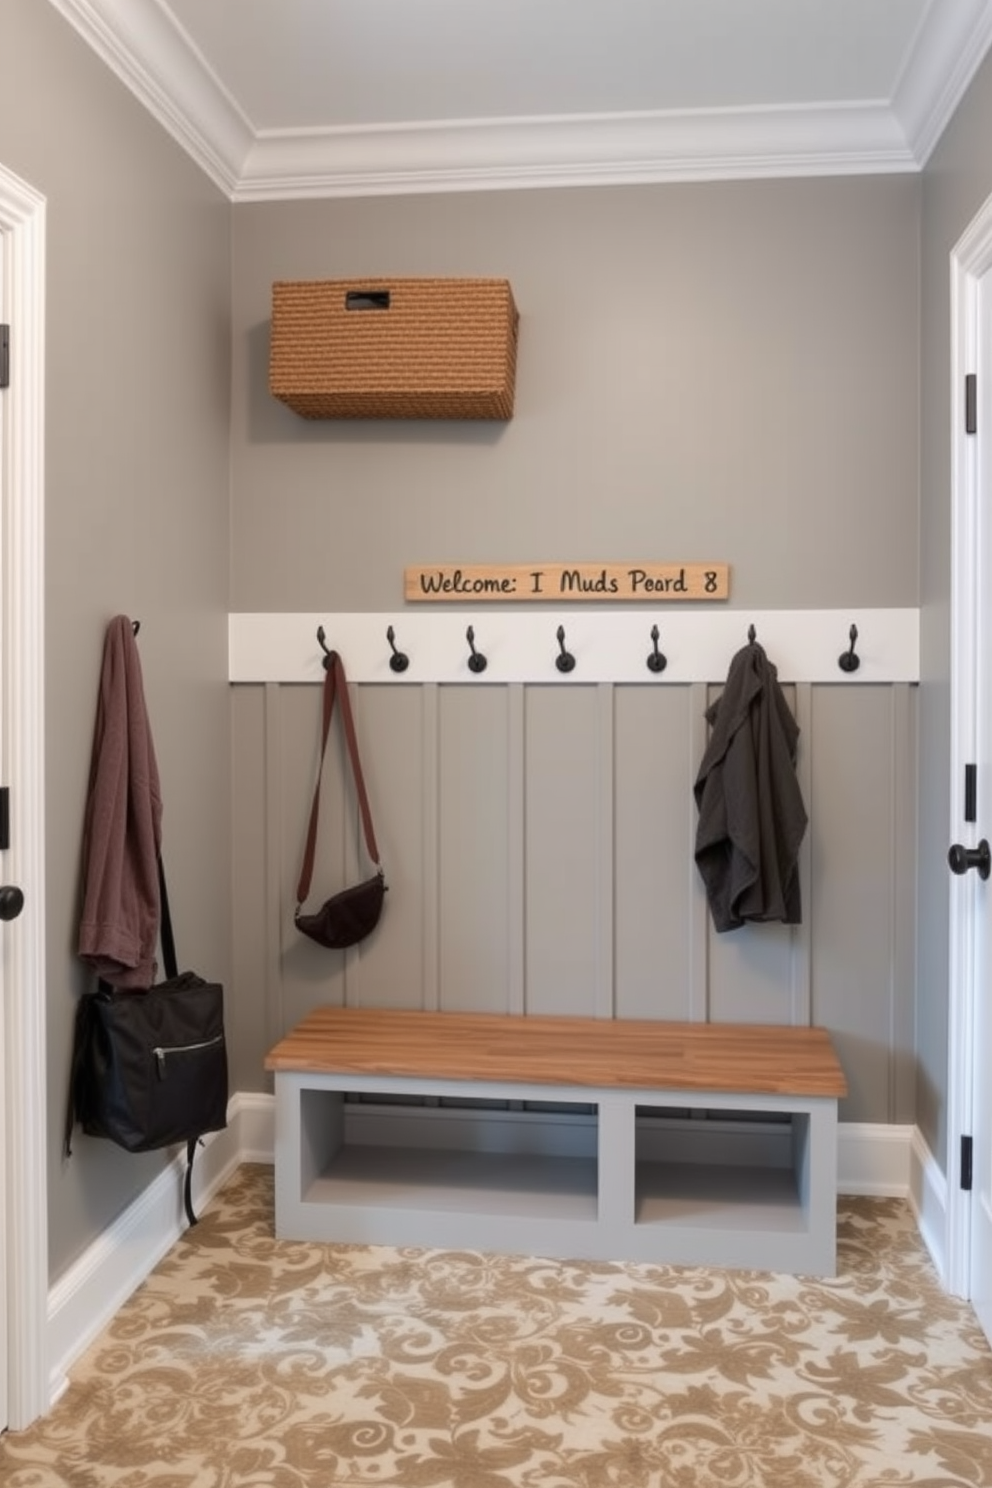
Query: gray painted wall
point(956, 183)
point(138, 380)
point(719, 371)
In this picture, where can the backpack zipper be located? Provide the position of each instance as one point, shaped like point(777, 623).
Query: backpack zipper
point(160, 1052)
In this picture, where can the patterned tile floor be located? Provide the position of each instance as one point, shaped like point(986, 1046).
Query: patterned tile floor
point(244, 1362)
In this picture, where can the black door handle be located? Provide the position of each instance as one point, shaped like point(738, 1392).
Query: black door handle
point(962, 858)
point(11, 901)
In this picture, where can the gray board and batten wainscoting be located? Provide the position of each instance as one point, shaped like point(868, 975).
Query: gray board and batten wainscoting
point(538, 835)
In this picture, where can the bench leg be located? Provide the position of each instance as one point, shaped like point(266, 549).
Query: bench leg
point(616, 1166)
point(815, 1161)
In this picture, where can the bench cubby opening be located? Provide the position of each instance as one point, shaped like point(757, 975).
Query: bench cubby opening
point(481, 1157)
point(740, 1171)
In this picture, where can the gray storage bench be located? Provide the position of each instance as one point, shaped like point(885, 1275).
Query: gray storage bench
point(692, 1143)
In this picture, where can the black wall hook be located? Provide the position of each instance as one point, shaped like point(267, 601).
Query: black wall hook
point(566, 661)
point(328, 661)
point(752, 635)
point(657, 662)
point(849, 661)
point(135, 626)
point(476, 662)
point(398, 662)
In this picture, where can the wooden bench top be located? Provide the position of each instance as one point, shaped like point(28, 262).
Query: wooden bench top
point(752, 1059)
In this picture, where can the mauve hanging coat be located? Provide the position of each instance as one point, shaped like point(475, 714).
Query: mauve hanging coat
point(122, 831)
point(751, 813)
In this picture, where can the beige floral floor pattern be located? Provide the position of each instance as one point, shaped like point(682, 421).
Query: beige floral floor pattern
point(246, 1362)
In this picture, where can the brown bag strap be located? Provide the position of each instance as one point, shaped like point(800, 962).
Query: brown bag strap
point(336, 686)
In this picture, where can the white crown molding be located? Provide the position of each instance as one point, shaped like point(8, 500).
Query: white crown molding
point(158, 62)
point(949, 47)
point(607, 149)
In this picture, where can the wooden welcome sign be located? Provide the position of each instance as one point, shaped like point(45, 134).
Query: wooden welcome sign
point(561, 581)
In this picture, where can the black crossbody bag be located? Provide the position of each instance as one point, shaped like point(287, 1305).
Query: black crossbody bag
point(149, 1066)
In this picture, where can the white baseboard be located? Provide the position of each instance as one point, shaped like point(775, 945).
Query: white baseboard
point(85, 1298)
point(872, 1159)
point(928, 1199)
point(256, 1127)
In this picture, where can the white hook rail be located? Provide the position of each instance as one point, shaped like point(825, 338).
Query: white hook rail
point(609, 645)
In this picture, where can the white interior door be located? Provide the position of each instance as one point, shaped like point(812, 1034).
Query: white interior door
point(981, 1131)
point(970, 973)
point(4, 978)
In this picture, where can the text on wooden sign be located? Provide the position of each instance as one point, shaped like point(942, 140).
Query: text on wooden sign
point(561, 581)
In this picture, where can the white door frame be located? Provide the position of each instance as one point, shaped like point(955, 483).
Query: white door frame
point(22, 223)
point(970, 260)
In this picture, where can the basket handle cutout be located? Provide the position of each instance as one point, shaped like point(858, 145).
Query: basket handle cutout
point(366, 299)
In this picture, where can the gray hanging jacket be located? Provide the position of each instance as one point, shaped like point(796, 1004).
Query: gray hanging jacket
point(751, 813)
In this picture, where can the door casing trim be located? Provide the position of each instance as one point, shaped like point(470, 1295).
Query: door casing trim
point(22, 482)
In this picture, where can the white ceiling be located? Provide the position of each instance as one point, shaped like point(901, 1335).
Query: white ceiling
point(297, 98)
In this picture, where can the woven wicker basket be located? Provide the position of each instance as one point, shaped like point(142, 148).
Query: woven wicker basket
point(394, 348)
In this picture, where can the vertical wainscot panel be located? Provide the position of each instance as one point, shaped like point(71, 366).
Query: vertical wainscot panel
point(253, 1032)
point(855, 873)
point(394, 724)
point(474, 809)
point(905, 701)
point(655, 816)
point(567, 866)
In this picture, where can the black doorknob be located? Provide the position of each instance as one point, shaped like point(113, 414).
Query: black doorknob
point(963, 858)
point(11, 901)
